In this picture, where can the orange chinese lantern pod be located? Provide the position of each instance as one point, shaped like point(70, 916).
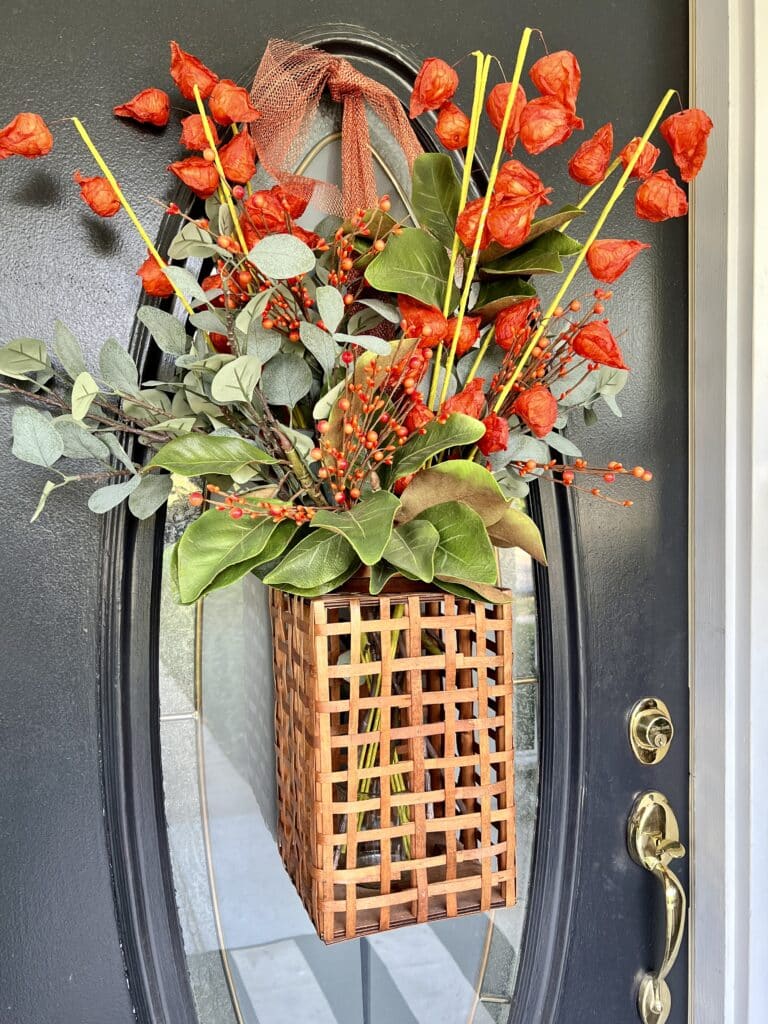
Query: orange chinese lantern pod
point(153, 279)
point(513, 322)
point(230, 103)
point(558, 75)
point(659, 198)
point(686, 134)
point(238, 158)
point(496, 105)
point(452, 127)
point(187, 72)
point(468, 222)
point(98, 194)
point(418, 416)
point(420, 320)
point(468, 335)
point(509, 219)
point(595, 343)
point(193, 134)
point(537, 408)
point(435, 84)
point(198, 174)
point(150, 106)
point(590, 161)
point(496, 436)
point(647, 160)
point(546, 122)
point(609, 258)
point(515, 180)
point(26, 135)
point(470, 400)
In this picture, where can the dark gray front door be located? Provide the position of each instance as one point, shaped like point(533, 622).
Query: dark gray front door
point(91, 930)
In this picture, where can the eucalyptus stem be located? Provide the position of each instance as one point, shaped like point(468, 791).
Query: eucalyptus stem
point(470, 272)
point(620, 185)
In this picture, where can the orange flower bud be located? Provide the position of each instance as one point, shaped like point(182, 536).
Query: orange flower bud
point(513, 324)
point(193, 134)
point(98, 193)
point(197, 174)
point(515, 180)
point(26, 135)
point(435, 83)
point(422, 321)
point(496, 436)
point(187, 72)
point(452, 127)
point(595, 343)
point(238, 158)
point(509, 219)
point(470, 400)
point(468, 335)
point(659, 198)
point(558, 75)
point(231, 103)
point(537, 408)
point(546, 122)
point(646, 161)
point(686, 134)
point(608, 258)
point(150, 106)
point(590, 161)
point(468, 222)
point(495, 106)
point(153, 279)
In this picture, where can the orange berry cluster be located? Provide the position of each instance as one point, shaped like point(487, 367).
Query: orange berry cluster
point(280, 312)
point(239, 506)
point(565, 474)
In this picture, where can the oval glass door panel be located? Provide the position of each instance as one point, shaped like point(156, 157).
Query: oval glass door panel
point(252, 952)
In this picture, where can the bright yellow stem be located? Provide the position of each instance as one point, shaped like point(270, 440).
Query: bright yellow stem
point(480, 353)
point(217, 163)
point(470, 271)
point(481, 80)
point(126, 205)
point(568, 280)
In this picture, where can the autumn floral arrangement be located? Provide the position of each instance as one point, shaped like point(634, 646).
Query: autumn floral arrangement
point(367, 393)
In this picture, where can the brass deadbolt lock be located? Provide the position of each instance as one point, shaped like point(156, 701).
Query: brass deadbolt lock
point(650, 730)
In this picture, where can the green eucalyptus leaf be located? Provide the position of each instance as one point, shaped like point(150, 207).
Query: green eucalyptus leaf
point(67, 350)
point(435, 195)
point(35, 438)
point(106, 498)
point(330, 306)
point(22, 357)
point(187, 284)
point(316, 563)
point(282, 256)
point(79, 442)
point(458, 430)
point(117, 451)
point(286, 379)
point(261, 343)
point(209, 320)
point(118, 369)
point(382, 309)
point(320, 344)
point(411, 549)
point(48, 489)
point(369, 342)
point(413, 263)
point(463, 551)
point(367, 525)
point(201, 454)
point(561, 444)
point(150, 495)
point(167, 330)
point(193, 241)
point(236, 380)
point(326, 402)
point(84, 390)
point(252, 310)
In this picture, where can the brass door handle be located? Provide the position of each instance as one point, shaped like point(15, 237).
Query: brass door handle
point(654, 841)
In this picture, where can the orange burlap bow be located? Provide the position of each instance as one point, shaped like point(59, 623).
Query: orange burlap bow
point(287, 90)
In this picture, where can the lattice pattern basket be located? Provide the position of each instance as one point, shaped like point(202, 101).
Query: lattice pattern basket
point(394, 757)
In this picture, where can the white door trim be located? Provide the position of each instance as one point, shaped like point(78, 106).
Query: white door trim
point(729, 527)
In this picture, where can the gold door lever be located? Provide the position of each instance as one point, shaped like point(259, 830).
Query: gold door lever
point(654, 841)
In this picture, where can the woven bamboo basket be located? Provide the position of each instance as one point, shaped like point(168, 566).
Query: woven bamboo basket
point(394, 757)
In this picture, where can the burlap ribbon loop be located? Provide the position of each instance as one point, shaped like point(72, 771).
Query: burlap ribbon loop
point(287, 90)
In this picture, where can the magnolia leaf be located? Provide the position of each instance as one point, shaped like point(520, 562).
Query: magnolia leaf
point(282, 256)
point(187, 284)
point(381, 574)
point(275, 546)
point(49, 487)
point(330, 306)
point(315, 563)
point(411, 549)
point(517, 530)
point(496, 295)
point(367, 525)
point(322, 588)
point(435, 195)
point(106, 498)
point(456, 480)
point(84, 390)
point(67, 350)
point(194, 241)
point(369, 342)
point(458, 430)
point(413, 263)
point(151, 494)
point(167, 330)
point(117, 451)
point(463, 551)
point(383, 309)
point(118, 369)
point(21, 357)
point(286, 379)
point(320, 344)
point(35, 438)
point(539, 227)
point(199, 454)
point(542, 256)
point(79, 442)
point(478, 591)
point(236, 380)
